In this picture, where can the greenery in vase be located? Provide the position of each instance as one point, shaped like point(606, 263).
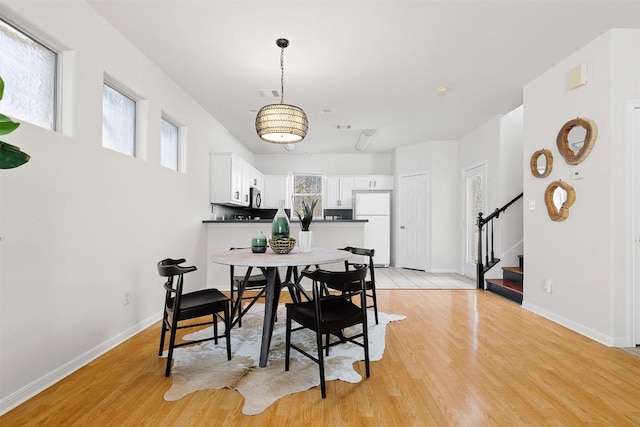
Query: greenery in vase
point(307, 217)
point(10, 155)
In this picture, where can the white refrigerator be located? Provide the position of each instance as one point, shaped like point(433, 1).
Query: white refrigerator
point(375, 206)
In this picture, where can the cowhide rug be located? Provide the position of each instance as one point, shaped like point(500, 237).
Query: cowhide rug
point(205, 366)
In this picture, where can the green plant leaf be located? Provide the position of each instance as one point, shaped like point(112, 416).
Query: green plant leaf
point(1, 88)
point(11, 156)
point(7, 125)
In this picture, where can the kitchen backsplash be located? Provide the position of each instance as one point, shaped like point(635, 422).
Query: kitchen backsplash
point(223, 212)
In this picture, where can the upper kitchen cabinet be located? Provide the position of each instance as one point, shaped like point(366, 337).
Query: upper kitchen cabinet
point(374, 182)
point(229, 179)
point(276, 188)
point(339, 192)
point(256, 179)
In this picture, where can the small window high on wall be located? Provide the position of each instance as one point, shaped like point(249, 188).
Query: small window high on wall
point(28, 69)
point(118, 121)
point(169, 146)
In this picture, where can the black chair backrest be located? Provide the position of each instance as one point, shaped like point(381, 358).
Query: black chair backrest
point(169, 268)
point(359, 251)
point(347, 282)
point(363, 252)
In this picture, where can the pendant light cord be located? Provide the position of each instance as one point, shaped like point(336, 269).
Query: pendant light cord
point(282, 75)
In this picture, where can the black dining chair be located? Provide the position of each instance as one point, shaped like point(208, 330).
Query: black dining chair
point(329, 314)
point(254, 282)
point(179, 306)
point(370, 282)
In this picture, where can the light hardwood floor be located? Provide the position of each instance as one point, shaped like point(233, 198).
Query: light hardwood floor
point(463, 358)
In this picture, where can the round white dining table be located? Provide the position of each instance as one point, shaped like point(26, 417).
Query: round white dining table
point(268, 263)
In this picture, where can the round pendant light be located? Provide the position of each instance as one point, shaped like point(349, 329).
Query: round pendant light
point(281, 123)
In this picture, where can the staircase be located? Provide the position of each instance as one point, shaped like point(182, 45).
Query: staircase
point(510, 286)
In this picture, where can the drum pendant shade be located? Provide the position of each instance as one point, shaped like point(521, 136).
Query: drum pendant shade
point(281, 123)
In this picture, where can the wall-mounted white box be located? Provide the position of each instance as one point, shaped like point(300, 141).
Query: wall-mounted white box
point(578, 76)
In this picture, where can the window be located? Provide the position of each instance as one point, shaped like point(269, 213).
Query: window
point(307, 188)
point(169, 145)
point(118, 121)
point(28, 69)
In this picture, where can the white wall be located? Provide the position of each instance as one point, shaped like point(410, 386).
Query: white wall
point(587, 256)
point(330, 164)
point(510, 225)
point(81, 225)
point(498, 143)
point(438, 159)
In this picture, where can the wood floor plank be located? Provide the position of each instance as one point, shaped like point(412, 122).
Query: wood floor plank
point(468, 358)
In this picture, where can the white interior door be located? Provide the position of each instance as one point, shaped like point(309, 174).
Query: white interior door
point(412, 226)
point(474, 195)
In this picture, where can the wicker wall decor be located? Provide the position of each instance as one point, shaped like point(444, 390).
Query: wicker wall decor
point(536, 168)
point(575, 152)
point(558, 208)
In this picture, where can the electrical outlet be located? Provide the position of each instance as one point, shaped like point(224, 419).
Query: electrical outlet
point(127, 298)
point(548, 286)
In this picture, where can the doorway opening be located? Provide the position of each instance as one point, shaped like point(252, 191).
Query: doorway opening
point(474, 181)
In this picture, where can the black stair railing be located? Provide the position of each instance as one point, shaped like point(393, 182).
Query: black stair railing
point(489, 262)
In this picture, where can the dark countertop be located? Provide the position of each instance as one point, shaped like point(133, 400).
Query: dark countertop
point(269, 221)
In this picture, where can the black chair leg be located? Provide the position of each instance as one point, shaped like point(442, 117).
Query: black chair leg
point(172, 342)
point(287, 345)
point(328, 340)
point(323, 387)
point(227, 328)
point(375, 303)
point(365, 341)
point(215, 328)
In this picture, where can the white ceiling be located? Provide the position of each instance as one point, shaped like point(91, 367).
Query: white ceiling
point(373, 64)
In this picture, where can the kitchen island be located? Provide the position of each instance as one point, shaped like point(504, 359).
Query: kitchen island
point(225, 234)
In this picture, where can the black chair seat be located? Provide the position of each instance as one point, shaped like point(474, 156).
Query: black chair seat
point(201, 303)
point(336, 314)
point(254, 282)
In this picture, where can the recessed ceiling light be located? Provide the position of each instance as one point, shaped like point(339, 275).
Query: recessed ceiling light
point(443, 89)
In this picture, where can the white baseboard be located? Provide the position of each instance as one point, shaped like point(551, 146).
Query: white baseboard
point(46, 381)
point(442, 271)
point(572, 325)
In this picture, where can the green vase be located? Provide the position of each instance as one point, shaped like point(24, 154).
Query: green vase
point(259, 243)
point(280, 225)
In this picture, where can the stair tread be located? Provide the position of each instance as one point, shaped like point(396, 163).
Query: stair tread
point(518, 270)
point(516, 287)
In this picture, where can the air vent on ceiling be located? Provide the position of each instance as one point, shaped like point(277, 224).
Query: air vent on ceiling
point(268, 93)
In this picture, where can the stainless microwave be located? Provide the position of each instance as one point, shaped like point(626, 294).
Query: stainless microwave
point(255, 199)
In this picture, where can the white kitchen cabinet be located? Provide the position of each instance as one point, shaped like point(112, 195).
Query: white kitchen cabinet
point(339, 192)
point(276, 188)
point(229, 178)
point(373, 182)
point(256, 179)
